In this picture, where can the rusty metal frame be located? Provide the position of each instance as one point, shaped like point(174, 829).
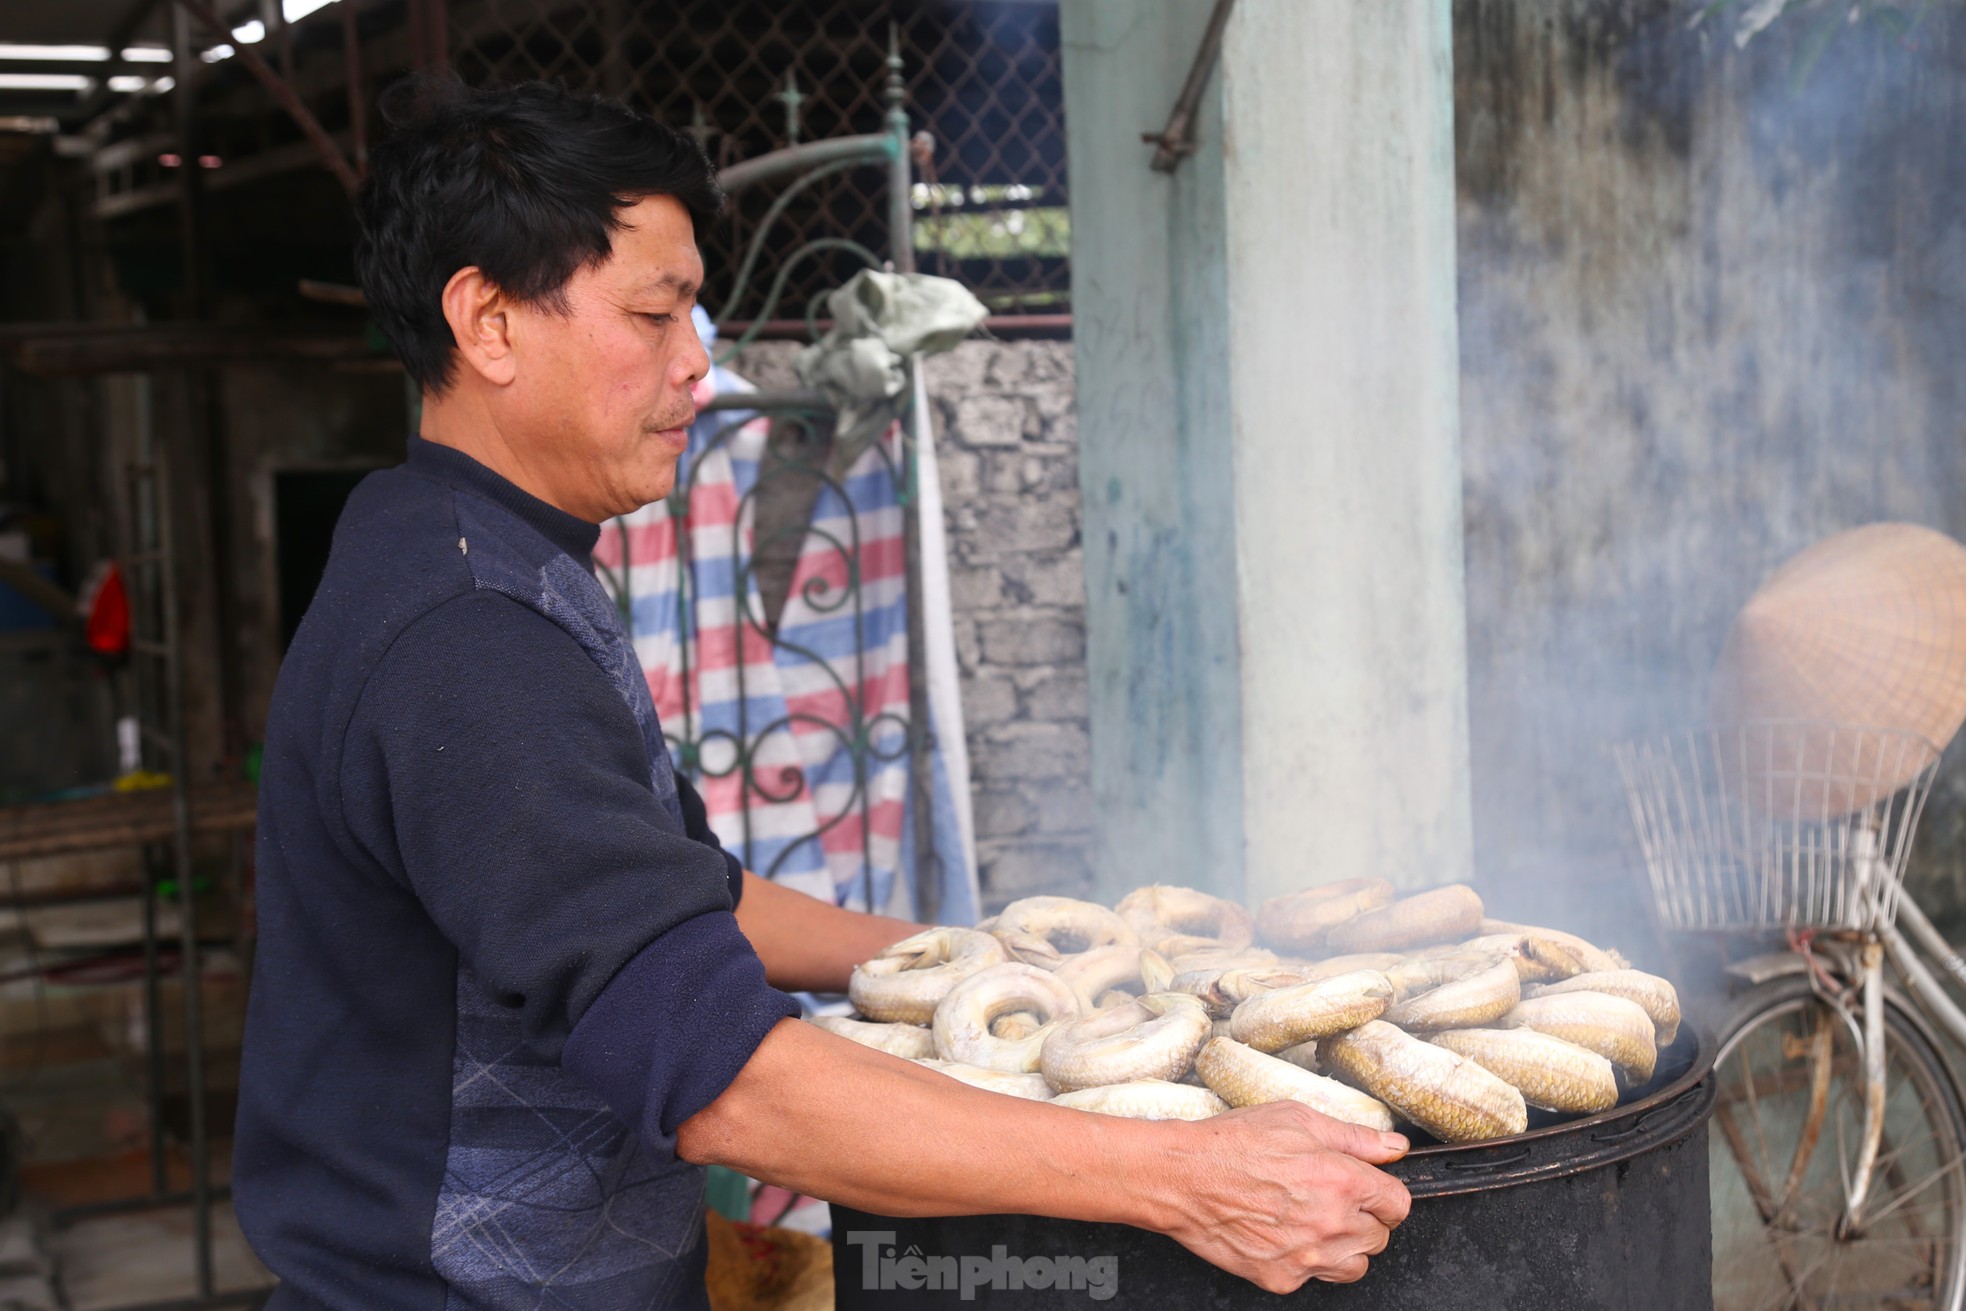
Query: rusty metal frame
point(429, 29)
point(1821, 1055)
point(358, 102)
point(1176, 141)
point(346, 172)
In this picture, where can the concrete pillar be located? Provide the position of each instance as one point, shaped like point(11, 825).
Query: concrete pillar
point(1268, 413)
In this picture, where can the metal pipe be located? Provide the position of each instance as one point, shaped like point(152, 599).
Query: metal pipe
point(767, 402)
point(273, 17)
point(117, 41)
point(419, 55)
point(190, 975)
point(1931, 940)
point(741, 283)
point(921, 755)
point(614, 50)
point(282, 92)
point(900, 202)
point(144, 511)
point(767, 329)
point(437, 35)
point(184, 102)
point(1923, 987)
point(797, 159)
point(1174, 141)
point(153, 1036)
point(162, 515)
point(358, 102)
point(921, 758)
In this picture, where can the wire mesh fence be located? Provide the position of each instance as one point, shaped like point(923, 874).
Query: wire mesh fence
point(751, 76)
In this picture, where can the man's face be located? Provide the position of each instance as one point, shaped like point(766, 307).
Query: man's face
point(603, 391)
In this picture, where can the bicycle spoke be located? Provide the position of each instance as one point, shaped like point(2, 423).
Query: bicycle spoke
point(1785, 1254)
point(1790, 1250)
point(1743, 1157)
point(1892, 1171)
point(1943, 1172)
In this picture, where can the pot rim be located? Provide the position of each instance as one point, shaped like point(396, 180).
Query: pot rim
point(1670, 1107)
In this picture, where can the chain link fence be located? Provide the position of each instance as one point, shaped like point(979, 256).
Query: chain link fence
point(984, 94)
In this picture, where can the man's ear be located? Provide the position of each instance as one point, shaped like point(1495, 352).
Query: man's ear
point(478, 312)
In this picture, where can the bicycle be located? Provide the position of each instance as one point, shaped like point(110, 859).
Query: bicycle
point(1838, 1150)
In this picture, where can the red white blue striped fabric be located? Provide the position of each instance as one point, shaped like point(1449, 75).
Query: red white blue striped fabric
point(796, 740)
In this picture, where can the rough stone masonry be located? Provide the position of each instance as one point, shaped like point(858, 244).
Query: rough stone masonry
point(1007, 439)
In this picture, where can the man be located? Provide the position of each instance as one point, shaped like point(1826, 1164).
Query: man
point(510, 995)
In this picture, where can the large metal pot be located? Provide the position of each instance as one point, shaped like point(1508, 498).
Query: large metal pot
point(1609, 1212)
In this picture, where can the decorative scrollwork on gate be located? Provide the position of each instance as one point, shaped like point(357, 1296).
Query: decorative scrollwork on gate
point(829, 634)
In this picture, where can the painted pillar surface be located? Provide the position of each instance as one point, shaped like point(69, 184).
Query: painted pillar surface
point(1268, 411)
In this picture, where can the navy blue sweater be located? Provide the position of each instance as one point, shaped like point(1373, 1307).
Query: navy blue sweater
point(497, 962)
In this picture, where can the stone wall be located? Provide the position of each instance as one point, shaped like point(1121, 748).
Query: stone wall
point(1007, 441)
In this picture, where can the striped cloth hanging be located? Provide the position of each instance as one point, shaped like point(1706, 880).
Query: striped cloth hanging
point(797, 740)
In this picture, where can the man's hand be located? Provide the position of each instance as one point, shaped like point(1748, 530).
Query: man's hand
point(1280, 1194)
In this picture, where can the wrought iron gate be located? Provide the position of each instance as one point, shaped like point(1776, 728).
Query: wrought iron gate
point(765, 539)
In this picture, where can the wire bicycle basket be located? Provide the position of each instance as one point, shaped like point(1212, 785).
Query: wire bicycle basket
point(1777, 824)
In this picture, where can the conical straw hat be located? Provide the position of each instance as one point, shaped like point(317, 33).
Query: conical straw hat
point(1863, 629)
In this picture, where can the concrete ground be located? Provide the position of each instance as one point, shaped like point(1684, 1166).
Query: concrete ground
point(146, 1256)
point(76, 1093)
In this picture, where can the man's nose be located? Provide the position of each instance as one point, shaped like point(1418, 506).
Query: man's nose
point(695, 361)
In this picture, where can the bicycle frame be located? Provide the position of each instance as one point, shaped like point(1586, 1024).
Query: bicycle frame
point(1918, 980)
point(1779, 825)
point(1873, 986)
point(1863, 962)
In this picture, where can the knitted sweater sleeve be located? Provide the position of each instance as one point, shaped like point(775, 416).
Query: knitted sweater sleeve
point(493, 764)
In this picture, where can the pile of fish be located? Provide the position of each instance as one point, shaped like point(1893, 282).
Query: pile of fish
point(1370, 1007)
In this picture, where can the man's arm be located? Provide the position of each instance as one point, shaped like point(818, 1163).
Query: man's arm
point(1277, 1194)
point(809, 945)
point(493, 767)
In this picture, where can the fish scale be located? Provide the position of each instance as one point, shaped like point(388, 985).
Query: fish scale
point(1658, 998)
point(1242, 1076)
point(1548, 1072)
point(1446, 1094)
point(1613, 1027)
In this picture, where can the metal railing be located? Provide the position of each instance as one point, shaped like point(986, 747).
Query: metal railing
point(750, 78)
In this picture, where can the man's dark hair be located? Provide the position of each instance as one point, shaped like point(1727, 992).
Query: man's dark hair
point(525, 182)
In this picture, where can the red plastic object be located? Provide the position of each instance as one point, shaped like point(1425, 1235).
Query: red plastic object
point(106, 625)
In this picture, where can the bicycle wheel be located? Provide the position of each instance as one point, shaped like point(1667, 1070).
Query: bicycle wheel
point(1789, 1063)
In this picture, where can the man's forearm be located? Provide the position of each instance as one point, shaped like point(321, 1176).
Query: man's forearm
point(832, 1119)
point(1278, 1193)
point(809, 945)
